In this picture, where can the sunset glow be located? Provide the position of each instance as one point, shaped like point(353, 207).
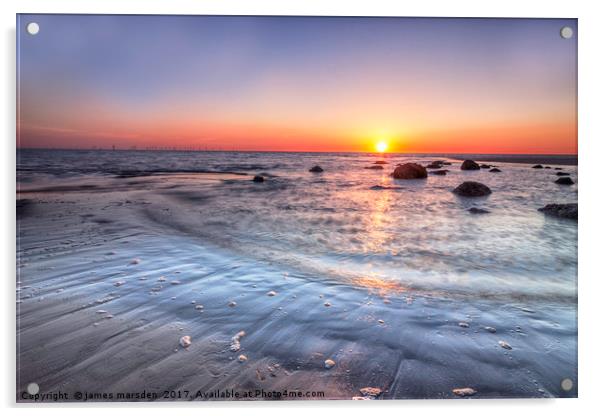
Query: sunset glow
point(381, 146)
point(298, 84)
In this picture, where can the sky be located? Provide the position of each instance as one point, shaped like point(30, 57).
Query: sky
point(421, 85)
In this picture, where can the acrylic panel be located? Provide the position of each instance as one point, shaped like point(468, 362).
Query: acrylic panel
point(295, 208)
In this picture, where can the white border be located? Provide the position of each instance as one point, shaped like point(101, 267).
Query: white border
point(590, 152)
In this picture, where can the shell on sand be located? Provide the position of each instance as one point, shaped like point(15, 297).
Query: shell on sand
point(271, 293)
point(242, 358)
point(185, 341)
point(504, 345)
point(464, 391)
point(370, 392)
point(235, 341)
point(329, 363)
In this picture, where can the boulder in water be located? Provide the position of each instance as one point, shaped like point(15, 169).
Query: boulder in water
point(440, 172)
point(316, 169)
point(410, 171)
point(374, 167)
point(258, 178)
point(561, 210)
point(537, 167)
point(562, 174)
point(495, 170)
point(470, 165)
point(472, 189)
point(564, 180)
point(381, 162)
point(485, 166)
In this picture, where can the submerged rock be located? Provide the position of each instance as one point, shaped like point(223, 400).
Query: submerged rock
point(258, 178)
point(185, 341)
point(434, 165)
point(470, 165)
point(491, 329)
point(537, 167)
point(377, 167)
point(441, 172)
point(494, 170)
point(135, 261)
point(562, 174)
point(381, 162)
point(485, 166)
point(410, 171)
point(316, 169)
point(472, 189)
point(569, 211)
point(564, 180)
point(475, 210)
point(329, 363)
point(464, 392)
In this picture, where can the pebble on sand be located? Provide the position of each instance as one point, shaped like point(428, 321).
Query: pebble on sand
point(162, 279)
point(175, 282)
point(464, 324)
point(185, 341)
point(371, 392)
point(380, 321)
point(232, 304)
point(242, 358)
point(135, 261)
point(464, 392)
point(327, 304)
point(271, 293)
point(101, 311)
point(505, 345)
point(329, 363)
point(491, 329)
point(120, 283)
point(199, 307)
point(235, 341)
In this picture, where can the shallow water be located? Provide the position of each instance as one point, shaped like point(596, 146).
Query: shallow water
point(405, 252)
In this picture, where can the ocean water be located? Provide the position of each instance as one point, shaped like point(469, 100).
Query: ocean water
point(338, 225)
point(351, 236)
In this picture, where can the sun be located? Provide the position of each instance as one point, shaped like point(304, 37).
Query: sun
point(382, 146)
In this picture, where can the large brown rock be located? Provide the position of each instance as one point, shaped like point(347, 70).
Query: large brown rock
point(410, 171)
point(470, 165)
point(472, 189)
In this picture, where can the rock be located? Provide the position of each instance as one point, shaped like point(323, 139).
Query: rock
point(491, 329)
point(470, 165)
point(381, 162)
point(316, 169)
point(327, 304)
point(446, 163)
point(464, 392)
point(434, 165)
point(380, 321)
point(558, 168)
point(569, 211)
point(199, 307)
point(175, 282)
point(441, 172)
point(505, 345)
point(271, 293)
point(120, 283)
point(377, 167)
point(410, 171)
point(235, 341)
point(564, 180)
point(495, 170)
point(258, 178)
point(475, 210)
point(472, 189)
point(485, 166)
point(185, 341)
point(329, 363)
point(547, 167)
point(231, 304)
point(161, 279)
point(371, 392)
point(537, 167)
point(562, 174)
point(463, 324)
point(242, 358)
point(135, 261)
